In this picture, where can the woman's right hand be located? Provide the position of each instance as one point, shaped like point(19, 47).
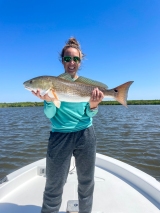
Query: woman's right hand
point(45, 97)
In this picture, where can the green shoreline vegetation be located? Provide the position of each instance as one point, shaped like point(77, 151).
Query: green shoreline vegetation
point(129, 102)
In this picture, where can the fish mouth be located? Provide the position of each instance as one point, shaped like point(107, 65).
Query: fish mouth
point(28, 88)
point(42, 92)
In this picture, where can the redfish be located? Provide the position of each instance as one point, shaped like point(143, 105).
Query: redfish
point(63, 88)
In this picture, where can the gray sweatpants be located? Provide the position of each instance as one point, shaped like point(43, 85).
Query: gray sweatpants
point(61, 146)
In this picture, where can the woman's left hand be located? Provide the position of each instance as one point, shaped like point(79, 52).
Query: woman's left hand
point(96, 97)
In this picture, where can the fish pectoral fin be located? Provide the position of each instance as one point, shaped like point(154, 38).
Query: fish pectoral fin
point(52, 94)
point(90, 82)
point(57, 103)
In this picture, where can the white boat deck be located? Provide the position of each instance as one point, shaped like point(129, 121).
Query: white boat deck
point(114, 192)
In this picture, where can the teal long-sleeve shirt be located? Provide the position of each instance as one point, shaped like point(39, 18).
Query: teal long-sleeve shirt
point(70, 117)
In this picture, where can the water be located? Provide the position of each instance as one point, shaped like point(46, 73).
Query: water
point(131, 135)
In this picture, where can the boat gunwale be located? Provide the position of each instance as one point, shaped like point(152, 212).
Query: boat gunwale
point(141, 181)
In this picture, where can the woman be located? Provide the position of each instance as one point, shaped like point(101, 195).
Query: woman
point(72, 133)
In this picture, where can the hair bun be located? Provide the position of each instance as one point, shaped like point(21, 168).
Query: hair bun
point(73, 43)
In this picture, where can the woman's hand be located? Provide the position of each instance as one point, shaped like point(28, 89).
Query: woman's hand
point(96, 97)
point(45, 97)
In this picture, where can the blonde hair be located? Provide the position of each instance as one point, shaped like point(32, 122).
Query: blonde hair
point(72, 42)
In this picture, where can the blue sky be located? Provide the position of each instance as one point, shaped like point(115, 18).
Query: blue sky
point(121, 40)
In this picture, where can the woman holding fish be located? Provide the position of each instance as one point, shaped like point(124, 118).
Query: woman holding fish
point(70, 102)
point(72, 133)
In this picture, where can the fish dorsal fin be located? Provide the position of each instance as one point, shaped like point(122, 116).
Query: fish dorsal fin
point(65, 76)
point(83, 80)
point(90, 82)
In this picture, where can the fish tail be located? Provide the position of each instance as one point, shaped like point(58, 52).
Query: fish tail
point(121, 93)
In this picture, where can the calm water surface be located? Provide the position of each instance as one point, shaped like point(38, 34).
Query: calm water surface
point(131, 135)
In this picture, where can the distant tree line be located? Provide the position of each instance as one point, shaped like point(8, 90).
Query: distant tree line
point(21, 104)
point(130, 102)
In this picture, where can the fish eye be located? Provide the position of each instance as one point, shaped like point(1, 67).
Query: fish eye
point(30, 81)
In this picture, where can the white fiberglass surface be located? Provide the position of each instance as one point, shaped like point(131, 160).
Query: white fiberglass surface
point(111, 195)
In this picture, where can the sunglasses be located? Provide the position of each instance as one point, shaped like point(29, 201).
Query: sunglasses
point(69, 58)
